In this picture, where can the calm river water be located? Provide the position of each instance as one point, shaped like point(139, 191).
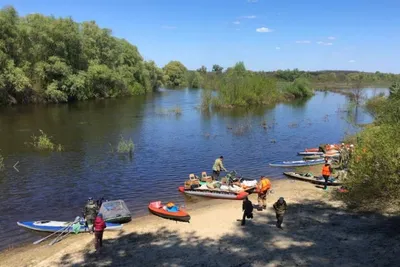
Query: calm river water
point(55, 186)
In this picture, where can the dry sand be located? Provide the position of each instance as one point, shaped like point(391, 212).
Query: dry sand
point(317, 231)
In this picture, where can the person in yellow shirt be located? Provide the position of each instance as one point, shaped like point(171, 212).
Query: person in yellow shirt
point(263, 189)
point(218, 166)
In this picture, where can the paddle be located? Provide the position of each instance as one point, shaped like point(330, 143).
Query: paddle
point(57, 238)
point(43, 239)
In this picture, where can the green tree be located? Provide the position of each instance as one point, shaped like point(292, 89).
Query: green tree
point(175, 74)
point(217, 68)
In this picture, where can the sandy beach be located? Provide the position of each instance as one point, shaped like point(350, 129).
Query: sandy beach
point(317, 231)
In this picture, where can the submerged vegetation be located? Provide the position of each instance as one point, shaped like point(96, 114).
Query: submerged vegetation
point(375, 167)
point(43, 142)
point(125, 146)
point(1, 162)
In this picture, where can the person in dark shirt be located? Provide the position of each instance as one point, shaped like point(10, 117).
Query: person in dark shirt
point(247, 208)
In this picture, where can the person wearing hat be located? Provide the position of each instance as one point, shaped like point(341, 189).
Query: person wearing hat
point(90, 212)
point(280, 209)
point(99, 226)
point(218, 166)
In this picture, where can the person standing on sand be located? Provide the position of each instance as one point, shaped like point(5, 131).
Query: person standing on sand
point(99, 226)
point(247, 208)
point(280, 207)
point(263, 189)
point(218, 166)
point(326, 172)
point(89, 213)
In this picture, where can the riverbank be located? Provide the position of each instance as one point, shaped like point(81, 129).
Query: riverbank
point(318, 231)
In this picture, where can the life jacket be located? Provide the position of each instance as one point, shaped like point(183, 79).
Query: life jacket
point(265, 184)
point(326, 170)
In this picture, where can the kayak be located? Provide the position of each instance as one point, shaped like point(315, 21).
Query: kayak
point(214, 193)
point(313, 157)
point(312, 179)
point(54, 226)
point(305, 153)
point(162, 211)
point(297, 163)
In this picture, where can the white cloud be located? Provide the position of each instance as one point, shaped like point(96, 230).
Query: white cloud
point(323, 43)
point(252, 1)
point(352, 61)
point(303, 42)
point(277, 48)
point(263, 29)
point(168, 27)
point(331, 38)
point(249, 17)
point(236, 22)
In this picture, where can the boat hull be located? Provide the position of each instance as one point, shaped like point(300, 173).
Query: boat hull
point(54, 226)
point(298, 163)
point(214, 194)
point(175, 216)
point(311, 179)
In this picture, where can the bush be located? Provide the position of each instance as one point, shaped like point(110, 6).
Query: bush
point(298, 89)
point(125, 146)
point(44, 142)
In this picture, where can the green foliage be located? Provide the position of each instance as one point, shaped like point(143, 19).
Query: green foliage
point(195, 80)
point(48, 59)
point(395, 90)
point(125, 146)
point(43, 142)
point(374, 178)
point(217, 69)
point(298, 89)
point(175, 74)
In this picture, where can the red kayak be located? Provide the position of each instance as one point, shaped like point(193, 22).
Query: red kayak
point(214, 193)
point(169, 211)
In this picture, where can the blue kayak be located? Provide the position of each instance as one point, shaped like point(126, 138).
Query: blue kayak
point(54, 226)
point(297, 163)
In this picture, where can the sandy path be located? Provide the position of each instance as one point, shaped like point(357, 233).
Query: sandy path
point(317, 232)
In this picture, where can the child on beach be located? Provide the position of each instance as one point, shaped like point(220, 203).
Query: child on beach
point(99, 226)
point(247, 208)
point(280, 209)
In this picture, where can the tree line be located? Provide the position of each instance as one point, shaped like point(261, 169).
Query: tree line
point(47, 59)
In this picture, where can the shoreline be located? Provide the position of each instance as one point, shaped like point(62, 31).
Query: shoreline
point(317, 231)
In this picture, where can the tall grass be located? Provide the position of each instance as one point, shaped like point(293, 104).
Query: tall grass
point(125, 146)
point(298, 89)
point(43, 142)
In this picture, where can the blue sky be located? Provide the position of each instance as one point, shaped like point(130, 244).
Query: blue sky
point(265, 34)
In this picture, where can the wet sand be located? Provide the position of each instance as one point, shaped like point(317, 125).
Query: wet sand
point(317, 231)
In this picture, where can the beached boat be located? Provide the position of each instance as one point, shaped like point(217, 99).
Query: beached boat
point(297, 163)
point(214, 193)
point(311, 178)
point(304, 153)
point(312, 157)
point(115, 211)
point(173, 213)
point(54, 226)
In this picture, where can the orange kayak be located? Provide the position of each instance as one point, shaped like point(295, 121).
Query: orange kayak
point(162, 211)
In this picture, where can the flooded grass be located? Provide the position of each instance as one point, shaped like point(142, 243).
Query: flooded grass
point(43, 142)
point(177, 111)
point(1, 162)
point(125, 146)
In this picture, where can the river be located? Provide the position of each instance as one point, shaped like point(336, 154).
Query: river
point(168, 147)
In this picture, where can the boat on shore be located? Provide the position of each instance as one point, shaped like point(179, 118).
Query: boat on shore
point(311, 178)
point(115, 211)
point(297, 163)
point(172, 213)
point(54, 226)
point(213, 193)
